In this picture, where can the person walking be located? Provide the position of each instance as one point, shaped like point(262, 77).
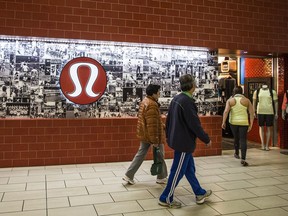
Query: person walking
point(182, 128)
point(150, 131)
point(239, 108)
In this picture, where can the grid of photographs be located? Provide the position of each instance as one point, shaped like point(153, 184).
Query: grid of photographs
point(30, 71)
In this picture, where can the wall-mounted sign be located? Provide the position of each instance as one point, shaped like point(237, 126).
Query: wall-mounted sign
point(83, 80)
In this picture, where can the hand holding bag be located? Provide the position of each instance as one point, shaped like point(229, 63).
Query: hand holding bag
point(156, 167)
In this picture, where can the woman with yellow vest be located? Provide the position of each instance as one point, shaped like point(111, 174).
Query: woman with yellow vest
point(241, 121)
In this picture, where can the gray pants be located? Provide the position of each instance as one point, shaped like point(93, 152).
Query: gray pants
point(139, 158)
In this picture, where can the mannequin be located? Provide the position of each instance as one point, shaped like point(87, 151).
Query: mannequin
point(265, 102)
point(284, 106)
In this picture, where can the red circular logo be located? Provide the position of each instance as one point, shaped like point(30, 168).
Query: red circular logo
point(83, 80)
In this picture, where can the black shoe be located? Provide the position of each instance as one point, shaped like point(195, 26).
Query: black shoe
point(236, 156)
point(244, 163)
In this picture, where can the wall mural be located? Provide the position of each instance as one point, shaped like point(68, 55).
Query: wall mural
point(30, 71)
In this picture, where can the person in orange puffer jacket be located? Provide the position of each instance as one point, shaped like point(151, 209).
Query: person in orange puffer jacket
point(150, 131)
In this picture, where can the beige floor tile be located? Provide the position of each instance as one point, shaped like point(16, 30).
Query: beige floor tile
point(90, 199)
point(230, 185)
point(266, 190)
point(236, 176)
point(72, 176)
point(55, 184)
point(131, 195)
point(93, 175)
point(4, 181)
point(230, 207)
point(211, 186)
point(83, 182)
point(24, 195)
point(282, 172)
point(160, 212)
point(143, 185)
point(73, 211)
point(234, 194)
point(21, 173)
point(116, 208)
point(237, 214)
point(111, 180)
point(6, 207)
point(77, 191)
point(12, 187)
point(87, 169)
point(58, 202)
point(238, 169)
point(150, 204)
point(210, 172)
point(283, 187)
point(210, 179)
point(34, 204)
point(268, 212)
point(25, 179)
point(195, 210)
point(212, 166)
point(263, 174)
point(264, 181)
point(191, 200)
point(35, 186)
point(105, 188)
point(283, 179)
point(26, 213)
point(268, 202)
point(284, 196)
point(54, 171)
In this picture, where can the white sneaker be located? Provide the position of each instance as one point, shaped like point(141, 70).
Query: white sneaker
point(161, 181)
point(200, 199)
point(128, 180)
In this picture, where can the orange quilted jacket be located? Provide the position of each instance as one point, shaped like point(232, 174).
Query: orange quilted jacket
point(150, 126)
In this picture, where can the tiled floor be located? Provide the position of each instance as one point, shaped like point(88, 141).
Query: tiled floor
point(98, 189)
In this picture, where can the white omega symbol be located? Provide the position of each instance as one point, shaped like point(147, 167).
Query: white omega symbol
point(74, 76)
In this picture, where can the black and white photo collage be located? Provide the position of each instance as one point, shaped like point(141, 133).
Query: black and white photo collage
point(30, 71)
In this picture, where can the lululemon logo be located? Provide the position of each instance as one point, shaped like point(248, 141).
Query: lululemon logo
point(83, 80)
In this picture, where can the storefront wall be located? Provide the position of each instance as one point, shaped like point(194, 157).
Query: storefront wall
point(243, 25)
point(38, 142)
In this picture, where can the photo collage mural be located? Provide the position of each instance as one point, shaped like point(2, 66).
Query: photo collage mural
point(30, 71)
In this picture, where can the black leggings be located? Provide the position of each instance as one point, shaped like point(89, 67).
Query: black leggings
point(240, 139)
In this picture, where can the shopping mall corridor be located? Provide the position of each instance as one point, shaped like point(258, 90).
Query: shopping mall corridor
point(98, 189)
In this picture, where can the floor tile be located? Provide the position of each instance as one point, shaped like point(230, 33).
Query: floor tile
point(12, 187)
point(131, 195)
point(264, 181)
point(58, 202)
point(34, 204)
point(90, 199)
point(268, 212)
point(195, 210)
point(230, 185)
point(26, 213)
point(159, 212)
point(24, 195)
point(230, 207)
point(73, 211)
point(66, 192)
point(234, 194)
point(6, 207)
point(268, 202)
point(266, 190)
point(116, 208)
point(83, 182)
point(4, 181)
point(105, 188)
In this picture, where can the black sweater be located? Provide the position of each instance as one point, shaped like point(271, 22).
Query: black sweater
point(183, 125)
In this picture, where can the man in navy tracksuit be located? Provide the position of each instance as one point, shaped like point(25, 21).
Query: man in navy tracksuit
point(182, 128)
